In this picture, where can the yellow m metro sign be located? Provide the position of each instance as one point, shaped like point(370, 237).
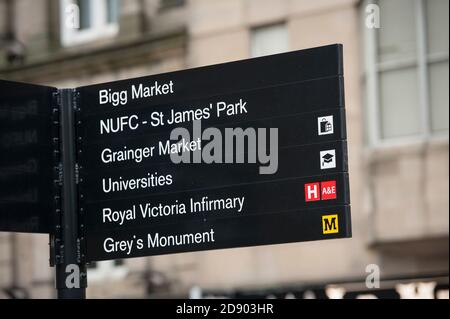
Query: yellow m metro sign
point(330, 224)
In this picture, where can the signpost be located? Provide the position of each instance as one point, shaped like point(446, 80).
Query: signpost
point(239, 154)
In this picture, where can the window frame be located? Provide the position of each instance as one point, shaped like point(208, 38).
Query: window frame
point(373, 68)
point(170, 4)
point(257, 28)
point(107, 270)
point(100, 27)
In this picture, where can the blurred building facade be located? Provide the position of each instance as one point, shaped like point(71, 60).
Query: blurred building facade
point(397, 101)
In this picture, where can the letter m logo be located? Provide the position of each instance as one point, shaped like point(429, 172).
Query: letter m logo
point(330, 224)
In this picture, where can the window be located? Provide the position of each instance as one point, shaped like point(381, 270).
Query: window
point(87, 20)
point(407, 71)
point(168, 4)
point(269, 40)
point(107, 270)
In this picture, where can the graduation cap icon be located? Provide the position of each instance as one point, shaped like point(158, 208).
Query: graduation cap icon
point(328, 158)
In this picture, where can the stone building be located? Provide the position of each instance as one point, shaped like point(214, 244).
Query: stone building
point(397, 101)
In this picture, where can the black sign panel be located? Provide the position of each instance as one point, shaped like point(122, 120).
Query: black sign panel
point(26, 162)
point(143, 179)
point(281, 101)
point(138, 200)
point(295, 130)
point(236, 231)
point(253, 199)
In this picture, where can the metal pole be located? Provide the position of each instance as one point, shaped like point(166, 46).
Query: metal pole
point(71, 272)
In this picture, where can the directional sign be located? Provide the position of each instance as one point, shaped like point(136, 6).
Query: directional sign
point(26, 157)
point(246, 199)
point(215, 233)
point(155, 171)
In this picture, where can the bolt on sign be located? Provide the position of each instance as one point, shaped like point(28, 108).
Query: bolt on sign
point(245, 153)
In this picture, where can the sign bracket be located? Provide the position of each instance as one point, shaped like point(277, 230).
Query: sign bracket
point(56, 252)
point(66, 243)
